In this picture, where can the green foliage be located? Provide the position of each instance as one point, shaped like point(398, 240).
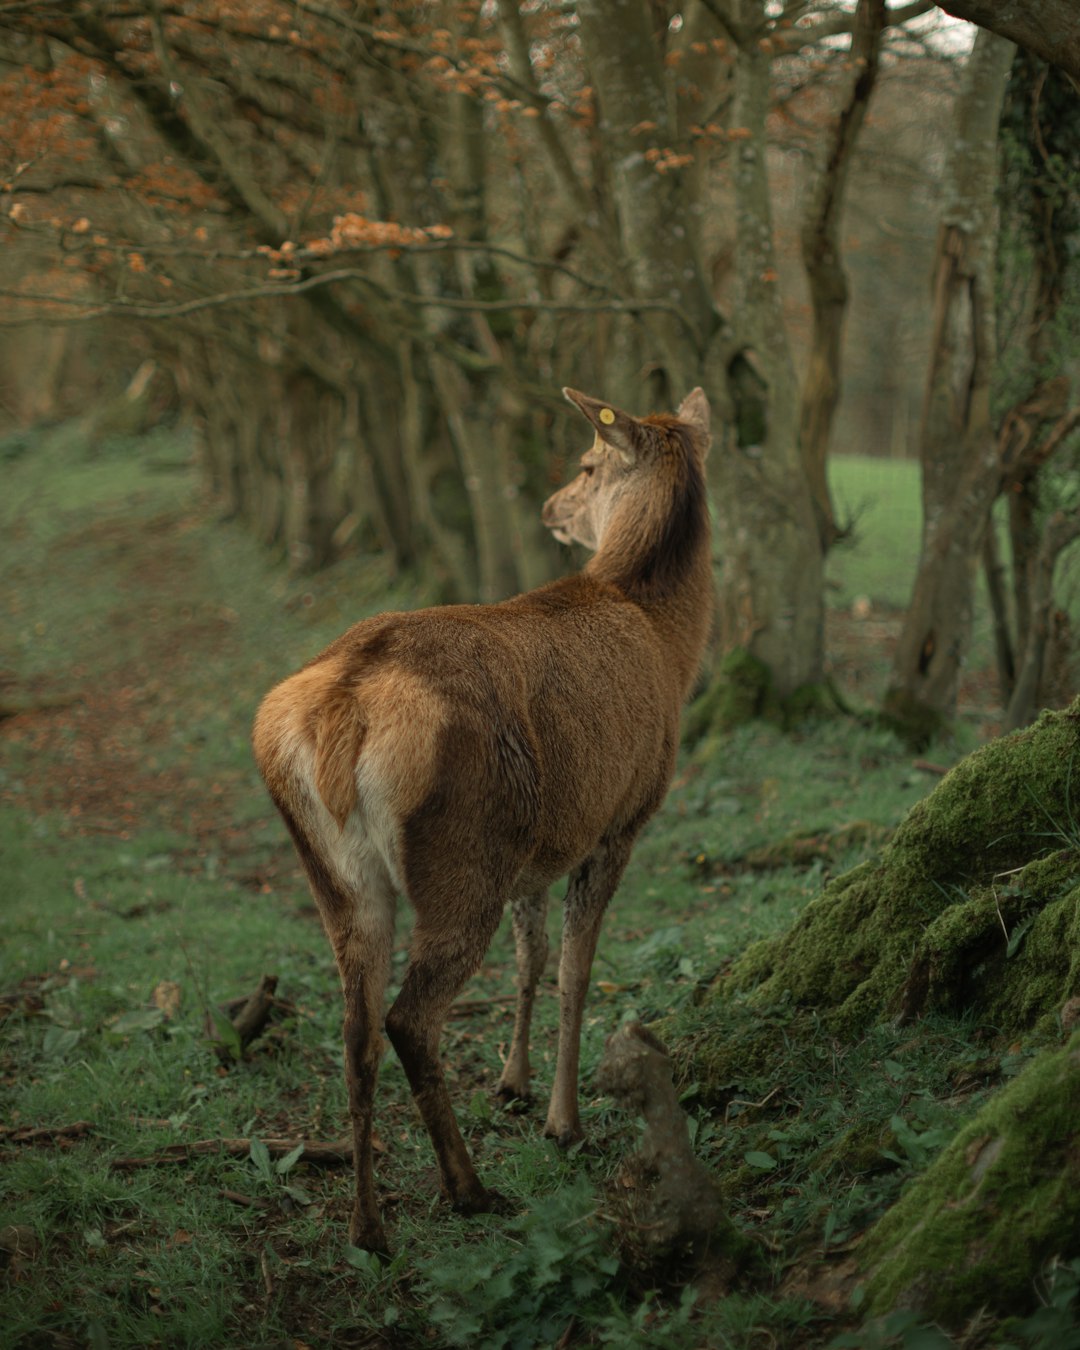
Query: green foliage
point(551, 1265)
point(1055, 1324)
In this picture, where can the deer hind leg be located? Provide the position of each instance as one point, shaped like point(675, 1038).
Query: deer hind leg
point(531, 945)
point(356, 900)
point(362, 947)
point(442, 959)
point(591, 887)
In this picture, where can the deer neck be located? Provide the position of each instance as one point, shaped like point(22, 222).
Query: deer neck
point(661, 561)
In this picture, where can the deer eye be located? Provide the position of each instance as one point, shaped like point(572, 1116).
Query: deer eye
point(588, 470)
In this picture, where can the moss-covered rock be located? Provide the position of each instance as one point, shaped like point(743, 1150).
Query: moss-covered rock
point(1001, 1200)
point(973, 905)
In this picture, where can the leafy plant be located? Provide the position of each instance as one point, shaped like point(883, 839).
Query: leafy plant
point(548, 1267)
point(1055, 1324)
point(276, 1174)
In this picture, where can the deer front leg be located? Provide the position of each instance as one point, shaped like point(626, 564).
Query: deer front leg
point(531, 948)
point(591, 887)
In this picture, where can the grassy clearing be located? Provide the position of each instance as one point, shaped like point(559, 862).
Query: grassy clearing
point(145, 879)
point(877, 500)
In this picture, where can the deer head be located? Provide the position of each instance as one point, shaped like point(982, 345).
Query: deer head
point(625, 454)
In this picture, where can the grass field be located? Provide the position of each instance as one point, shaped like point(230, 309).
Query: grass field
point(877, 500)
point(146, 880)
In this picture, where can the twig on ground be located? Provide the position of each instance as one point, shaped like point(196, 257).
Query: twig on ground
point(248, 1017)
point(749, 1105)
point(44, 1134)
point(249, 1201)
point(334, 1154)
point(467, 1007)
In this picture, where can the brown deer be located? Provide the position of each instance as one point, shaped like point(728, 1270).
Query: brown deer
point(471, 754)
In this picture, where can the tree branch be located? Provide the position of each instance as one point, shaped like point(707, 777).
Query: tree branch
point(517, 48)
point(1050, 28)
point(214, 139)
point(135, 309)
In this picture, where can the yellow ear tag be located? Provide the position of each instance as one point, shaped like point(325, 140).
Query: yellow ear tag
point(607, 416)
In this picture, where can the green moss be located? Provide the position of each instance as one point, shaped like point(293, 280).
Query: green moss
point(1011, 949)
point(740, 691)
point(1000, 1201)
point(919, 926)
point(729, 1049)
point(914, 722)
point(811, 702)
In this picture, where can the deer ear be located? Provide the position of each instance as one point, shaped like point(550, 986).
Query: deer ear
point(614, 427)
point(694, 409)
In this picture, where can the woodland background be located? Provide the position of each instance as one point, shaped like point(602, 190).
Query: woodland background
point(362, 246)
point(287, 294)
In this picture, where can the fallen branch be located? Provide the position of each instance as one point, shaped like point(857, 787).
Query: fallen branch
point(44, 1134)
point(22, 707)
point(255, 1013)
point(247, 1016)
point(334, 1154)
point(468, 1007)
point(281, 1007)
point(249, 1201)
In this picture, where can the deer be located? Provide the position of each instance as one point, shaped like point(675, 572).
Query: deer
point(469, 755)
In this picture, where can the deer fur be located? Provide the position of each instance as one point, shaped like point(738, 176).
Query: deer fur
point(468, 755)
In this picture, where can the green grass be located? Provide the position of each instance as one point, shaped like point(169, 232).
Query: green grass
point(139, 852)
point(878, 502)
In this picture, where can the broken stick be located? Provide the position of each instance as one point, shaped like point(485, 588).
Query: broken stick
point(334, 1154)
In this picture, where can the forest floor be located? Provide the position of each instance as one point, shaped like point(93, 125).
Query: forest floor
point(146, 882)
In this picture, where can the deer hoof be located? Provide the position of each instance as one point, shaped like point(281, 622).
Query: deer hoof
point(484, 1200)
point(368, 1234)
point(564, 1135)
point(513, 1094)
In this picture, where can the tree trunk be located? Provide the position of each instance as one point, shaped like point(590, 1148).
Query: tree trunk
point(309, 420)
point(821, 254)
point(994, 572)
point(960, 466)
point(657, 259)
point(771, 600)
point(1028, 692)
point(1040, 137)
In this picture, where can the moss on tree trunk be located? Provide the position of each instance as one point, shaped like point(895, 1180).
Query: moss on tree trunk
point(974, 906)
point(971, 911)
point(1002, 1200)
